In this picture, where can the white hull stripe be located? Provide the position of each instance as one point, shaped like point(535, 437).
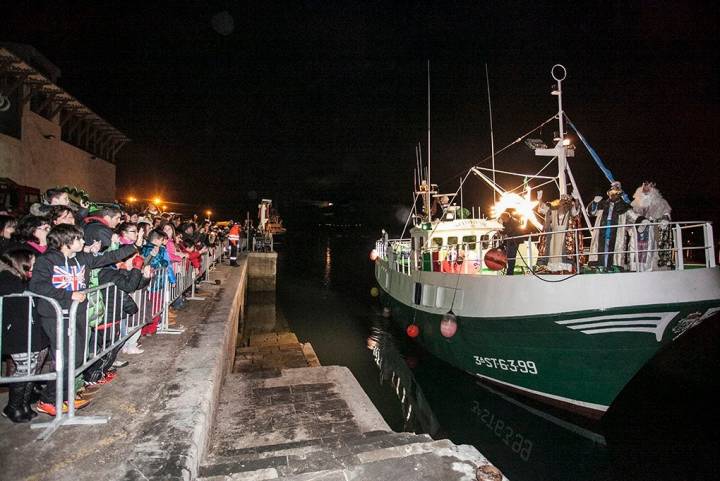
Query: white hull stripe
point(653, 323)
point(587, 405)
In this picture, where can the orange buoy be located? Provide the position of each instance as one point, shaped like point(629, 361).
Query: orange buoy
point(496, 259)
point(413, 331)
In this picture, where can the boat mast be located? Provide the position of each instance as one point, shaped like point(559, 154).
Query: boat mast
point(492, 134)
point(429, 184)
point(562, 159)
point(560, 150)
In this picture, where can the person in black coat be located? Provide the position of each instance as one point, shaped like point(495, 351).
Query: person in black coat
point(61, 274)
point(19, 325)
point(101, 226)
point(511, 229)
point(117, 310)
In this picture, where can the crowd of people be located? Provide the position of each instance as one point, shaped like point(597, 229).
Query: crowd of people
point(59, 250)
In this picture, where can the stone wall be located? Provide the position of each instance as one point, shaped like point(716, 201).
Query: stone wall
point(42, 160)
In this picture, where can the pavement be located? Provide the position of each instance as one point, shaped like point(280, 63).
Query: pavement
point(160, 407)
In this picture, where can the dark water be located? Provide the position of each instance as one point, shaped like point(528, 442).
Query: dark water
point(662, 427)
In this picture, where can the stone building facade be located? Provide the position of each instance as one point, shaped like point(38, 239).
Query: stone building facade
point(47, 137)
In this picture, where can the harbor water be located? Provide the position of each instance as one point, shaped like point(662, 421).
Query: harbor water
point(659, 428)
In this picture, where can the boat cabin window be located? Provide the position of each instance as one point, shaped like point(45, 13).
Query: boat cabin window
point(470, 240)
point(437, 242)
point(484, 241)
point(452, 241)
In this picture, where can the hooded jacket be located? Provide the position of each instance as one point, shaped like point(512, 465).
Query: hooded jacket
point(97, 229)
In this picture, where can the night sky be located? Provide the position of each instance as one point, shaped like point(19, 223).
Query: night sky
point(313, 100)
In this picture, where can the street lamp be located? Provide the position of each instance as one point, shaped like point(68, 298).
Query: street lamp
point(208, 213)
point(157, 201)
point(131, 199)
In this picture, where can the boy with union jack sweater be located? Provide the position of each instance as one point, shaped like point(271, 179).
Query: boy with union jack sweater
point(61, 273)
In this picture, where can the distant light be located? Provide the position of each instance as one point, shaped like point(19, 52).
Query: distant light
point(330, 204)
point(164, 207)
point(208, 212)
point(157, 200)
point(131, 199)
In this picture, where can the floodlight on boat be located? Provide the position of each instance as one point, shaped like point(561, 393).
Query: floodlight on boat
point(535, 144)
point(567, 142)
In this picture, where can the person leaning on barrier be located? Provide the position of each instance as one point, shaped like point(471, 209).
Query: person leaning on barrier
point(155, 255)
point(61, 273)
point(129, 277)
point(15, 272)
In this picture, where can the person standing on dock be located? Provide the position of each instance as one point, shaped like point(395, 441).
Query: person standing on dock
point(234, 238)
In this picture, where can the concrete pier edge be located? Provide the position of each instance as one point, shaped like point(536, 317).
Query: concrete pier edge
point(184, 423)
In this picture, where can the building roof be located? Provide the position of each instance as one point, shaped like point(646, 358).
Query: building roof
point(12, 65)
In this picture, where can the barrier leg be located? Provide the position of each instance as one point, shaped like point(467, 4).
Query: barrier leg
point(164, 328)
point(71, 419)
point(58, 420)
point(193, 297)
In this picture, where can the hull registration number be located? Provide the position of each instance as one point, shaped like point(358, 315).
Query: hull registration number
point(513, 365)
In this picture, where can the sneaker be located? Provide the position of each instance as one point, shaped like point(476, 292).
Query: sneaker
point(119, 363)
point(133, 350)
point(107, 378)
point(49, 408)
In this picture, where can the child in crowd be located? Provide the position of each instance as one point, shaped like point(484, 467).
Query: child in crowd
point(61, 273)
point(156, 257)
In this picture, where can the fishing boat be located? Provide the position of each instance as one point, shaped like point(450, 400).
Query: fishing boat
point(573, 338)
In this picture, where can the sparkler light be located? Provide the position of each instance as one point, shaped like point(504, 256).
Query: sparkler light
point(522, 205)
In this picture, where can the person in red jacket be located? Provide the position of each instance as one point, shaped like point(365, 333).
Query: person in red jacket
point(234, 238)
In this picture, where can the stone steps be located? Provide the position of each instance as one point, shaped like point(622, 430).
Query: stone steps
point(409, 460)
point(330, 453)
point(275, 350)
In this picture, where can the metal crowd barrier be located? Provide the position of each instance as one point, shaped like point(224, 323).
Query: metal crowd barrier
point(57, 375)
point(105, 327)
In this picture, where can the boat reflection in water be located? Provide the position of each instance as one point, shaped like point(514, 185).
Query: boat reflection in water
point(529, 441)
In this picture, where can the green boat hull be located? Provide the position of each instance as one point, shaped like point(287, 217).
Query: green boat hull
point(577, 361)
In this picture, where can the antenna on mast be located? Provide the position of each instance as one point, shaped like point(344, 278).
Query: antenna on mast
point(492, 134)
point(429, 191)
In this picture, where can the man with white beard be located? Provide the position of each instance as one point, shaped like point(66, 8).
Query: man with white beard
point(654, 242)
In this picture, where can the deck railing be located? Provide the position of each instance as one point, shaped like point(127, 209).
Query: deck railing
point(692, 246)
